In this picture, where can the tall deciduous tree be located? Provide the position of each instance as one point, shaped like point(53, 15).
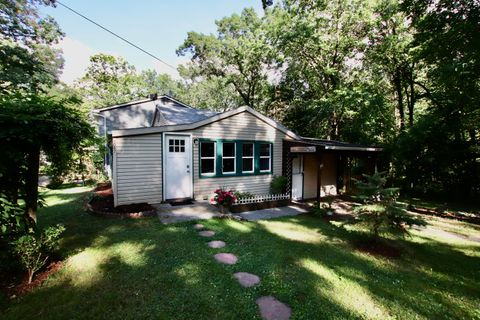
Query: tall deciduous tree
point(29, 125)
point(238, 54)
point(108, 80)
point(27, 59)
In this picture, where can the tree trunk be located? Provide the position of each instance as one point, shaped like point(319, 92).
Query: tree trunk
point(30, 276)
point(398, 88)
point(31, 183)
point(413, 98)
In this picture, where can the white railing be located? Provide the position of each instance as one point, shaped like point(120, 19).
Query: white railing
point(263, 198)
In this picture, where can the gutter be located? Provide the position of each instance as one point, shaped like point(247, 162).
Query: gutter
point(371, 149)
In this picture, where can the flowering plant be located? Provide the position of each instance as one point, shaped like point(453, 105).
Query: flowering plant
point(224, 197)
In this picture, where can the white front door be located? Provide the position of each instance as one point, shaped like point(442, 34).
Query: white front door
point(297, 178)
point(178, 166)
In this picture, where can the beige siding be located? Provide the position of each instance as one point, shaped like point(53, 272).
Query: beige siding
point(328, 176)
point(243, 126)
point(138, 169)
point(310, 176)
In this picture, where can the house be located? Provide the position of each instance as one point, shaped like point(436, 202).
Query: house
point(141, 114)
point(180, 152)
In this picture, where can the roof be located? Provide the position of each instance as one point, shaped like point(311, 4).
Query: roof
point(193, 125)
point(173, 113)
point(338, 145)
point(123, 105)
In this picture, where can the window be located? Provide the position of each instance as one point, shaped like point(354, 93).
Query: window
point(207, 157)
point(265, 157)
point(247, 157)
point(228, 157)
point(176, 145)
point(223, 158)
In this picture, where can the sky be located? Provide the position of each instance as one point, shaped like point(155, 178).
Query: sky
point(158, 26)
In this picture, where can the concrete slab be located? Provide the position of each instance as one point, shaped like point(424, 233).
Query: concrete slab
point(199, 210)
point(272, 213)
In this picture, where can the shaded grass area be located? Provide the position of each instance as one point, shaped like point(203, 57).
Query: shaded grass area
point(120, 269)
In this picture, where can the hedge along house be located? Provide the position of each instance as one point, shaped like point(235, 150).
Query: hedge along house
point(188, 153)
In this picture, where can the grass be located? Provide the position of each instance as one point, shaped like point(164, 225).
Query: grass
point(126, 269)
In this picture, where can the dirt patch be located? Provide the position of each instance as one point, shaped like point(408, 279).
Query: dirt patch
point(377, 248)
point(102, 204)
point(446, 214)
point(16, 285)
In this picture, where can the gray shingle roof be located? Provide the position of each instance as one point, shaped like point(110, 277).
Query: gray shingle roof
point(170, 112)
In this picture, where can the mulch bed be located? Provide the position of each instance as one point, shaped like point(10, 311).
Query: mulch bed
point(102, 204)
point(16, 285)
point(258, 206)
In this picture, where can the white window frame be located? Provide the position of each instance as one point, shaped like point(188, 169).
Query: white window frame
point(229, 157)
point(214, 158)
point(252, 157)
point(269, 157)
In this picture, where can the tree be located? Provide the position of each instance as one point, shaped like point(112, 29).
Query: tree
point(379, 212)
point(108, 81)
point(29, 125)
point(440, 153)
point(27, 59)
point(212, 93)
point(321, 48)
point(238, 56)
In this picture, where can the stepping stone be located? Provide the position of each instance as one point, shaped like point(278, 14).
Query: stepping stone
point(216, 244)
point(198, 226)
point(272, 309)
point(207, 233)
point(226, 258)
point(246, 279)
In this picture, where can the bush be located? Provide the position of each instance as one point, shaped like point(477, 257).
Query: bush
point(379, 211)
point(33, 250)
point(224, 197)
point(278, 185)
point(323, 208)
point(12, 218)
point(243, 195)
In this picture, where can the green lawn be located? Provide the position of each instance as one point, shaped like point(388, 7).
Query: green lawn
point(126, 269)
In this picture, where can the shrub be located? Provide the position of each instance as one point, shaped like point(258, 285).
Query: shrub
point(12, 218)
point(278, 185)
point(323, 208)
point(243, 195)
point(379, 210)
point(55, 182)
point(34, 250)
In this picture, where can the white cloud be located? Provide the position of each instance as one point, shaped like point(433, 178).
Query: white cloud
point(76, 55)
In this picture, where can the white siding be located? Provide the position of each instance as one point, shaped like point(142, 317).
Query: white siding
point(243, 126)
point(138, 169)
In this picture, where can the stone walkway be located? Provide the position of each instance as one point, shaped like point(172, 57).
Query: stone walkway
point(270, 307)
